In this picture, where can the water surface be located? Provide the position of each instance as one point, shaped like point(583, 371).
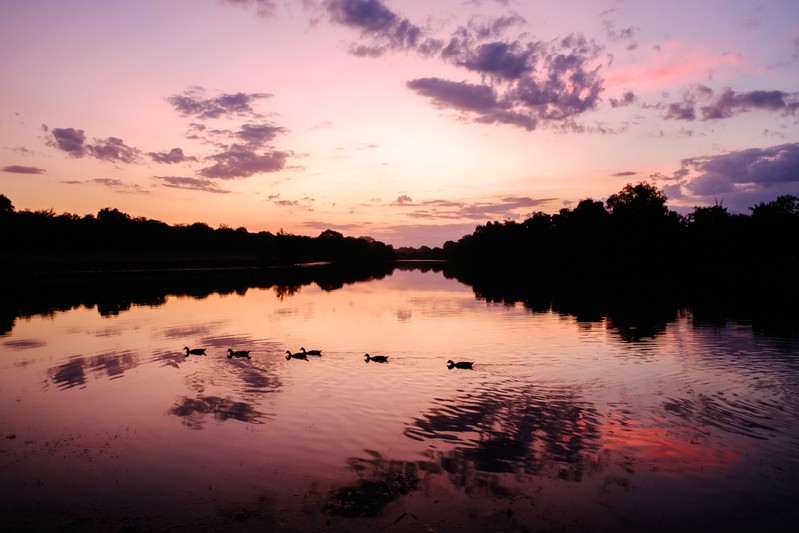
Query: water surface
point(563, 424)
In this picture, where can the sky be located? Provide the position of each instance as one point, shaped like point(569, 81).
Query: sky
point(405, 120)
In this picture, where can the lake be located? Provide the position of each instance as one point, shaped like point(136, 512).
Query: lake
point(599, 421)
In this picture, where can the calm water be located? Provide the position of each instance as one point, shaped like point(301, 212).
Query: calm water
point(562, 424)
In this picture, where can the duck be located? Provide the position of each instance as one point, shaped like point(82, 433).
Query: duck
point(239, 353)
point(195, 351)
point(311, 352)
point(376, 358)
point(297, 355)
point(460, 364)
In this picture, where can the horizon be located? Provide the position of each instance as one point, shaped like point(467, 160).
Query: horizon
point(403, 121)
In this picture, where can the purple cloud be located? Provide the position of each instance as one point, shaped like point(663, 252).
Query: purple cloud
point(112, 149)
point(175, 155)
point(192, 184)
point(258, 135)
point(758, 168)
point(18, 169)
point(241, 162)
point(192, 103)
point(459, 95)
point(385, 29)
point(729, 103)
point(628, 98)
point(69, 140)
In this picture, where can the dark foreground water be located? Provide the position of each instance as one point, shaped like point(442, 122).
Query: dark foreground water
point(562, 425)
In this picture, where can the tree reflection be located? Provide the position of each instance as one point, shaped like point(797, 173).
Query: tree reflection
point(513, 430)
point(194, 411)
point(114, 293)
point(73, 373)
point(380, 482)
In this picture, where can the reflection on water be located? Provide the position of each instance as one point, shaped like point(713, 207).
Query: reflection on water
point(582, 412)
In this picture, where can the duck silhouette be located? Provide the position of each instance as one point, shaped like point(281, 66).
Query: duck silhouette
point(297, 355)
point(460, 364)
point(239, 353)
point(311, 352)
point(195, 351)
point(376, 358)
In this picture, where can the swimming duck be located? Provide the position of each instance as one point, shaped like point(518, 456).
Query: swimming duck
point(195, 351)
point(297, 355)
point(376, 358)
point(311, 352)
point(239, 353)
point(460, 364)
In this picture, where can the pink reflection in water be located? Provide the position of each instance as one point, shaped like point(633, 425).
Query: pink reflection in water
point(558, 423)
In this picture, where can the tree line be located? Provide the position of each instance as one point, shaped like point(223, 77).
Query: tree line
point(634, 230)
point(113, 239)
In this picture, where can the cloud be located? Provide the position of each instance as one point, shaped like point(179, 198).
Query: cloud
point(73, 142)
point(113, 149)
point(264, 8)
point(384, 29)
point(69, 140)
point(175, 155)
point(18, 169)
point(625, 174)
point(742, 170)
point(729, 103)
point(258, 134)
point(112, 183)
point(628, 98)
point(239, 161)
point(193, 103)
point(506, 207)
point(525, 84)
point(192, 184)
point(403, 200)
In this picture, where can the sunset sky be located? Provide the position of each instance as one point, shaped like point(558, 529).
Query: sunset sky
point(408, 121)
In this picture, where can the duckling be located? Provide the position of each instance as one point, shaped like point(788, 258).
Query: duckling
point(195, 351)
point(311, 352)
point(460, 364)
point(376, 358)
point(239, 353)
point(297, 355)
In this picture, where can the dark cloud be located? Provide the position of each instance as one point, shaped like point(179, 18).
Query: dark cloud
point(18, 169)
point(192, 184)
point(69, 140)
point(459, 95)
point(508, 61)
point(193, 103)
point(403, 200)
point(258, 135)
point(526, 84)
point(239, 161)
point(264, 8)
point(625, 173)
point(729, 103)
point(382, 28)
point(753, 168)
point(628, 98)
point(112, 149)
point(175, 155)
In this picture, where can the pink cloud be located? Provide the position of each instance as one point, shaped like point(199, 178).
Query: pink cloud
point(675, 64)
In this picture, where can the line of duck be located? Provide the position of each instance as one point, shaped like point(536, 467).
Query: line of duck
point(303, 354)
